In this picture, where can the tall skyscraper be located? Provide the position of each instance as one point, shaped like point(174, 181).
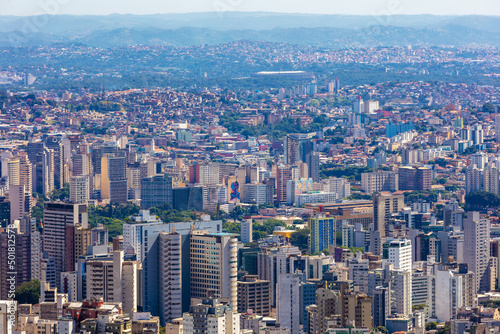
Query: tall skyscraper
point(288, 302)
point(156, 191)
point(42, 160)
point(56, 145)
point(21, 247)
point(253, 294)
point(312, 161)
point(476, 249)
point(359, 105)
point(297, 146)
point(79, 189)
point(114, 280)
point(114, 178)
point(274, 261)
point(473, 179)
point(445, 295)
point(214, 265)
point(170, 276)
point(283, 175)
point(497, 127)
point(323, 233)
point(384, 204)
point(56, 217)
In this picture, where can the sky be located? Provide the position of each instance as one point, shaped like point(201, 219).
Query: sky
point(357, 7)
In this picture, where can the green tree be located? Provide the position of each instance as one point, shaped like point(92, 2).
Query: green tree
point(382, 329)
point(488, 108)
point(430, 326)
point(480, 200)
point(28, 293)
point(300, 237)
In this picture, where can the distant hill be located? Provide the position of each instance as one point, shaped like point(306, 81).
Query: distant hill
point(214, 28)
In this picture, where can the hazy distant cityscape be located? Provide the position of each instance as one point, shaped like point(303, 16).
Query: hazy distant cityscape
point(256, 173)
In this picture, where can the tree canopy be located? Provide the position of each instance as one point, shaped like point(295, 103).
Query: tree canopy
point(28, 293)
point(481, 200)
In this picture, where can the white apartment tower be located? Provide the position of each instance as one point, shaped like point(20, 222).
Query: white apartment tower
point(79, 189)
point(477, 249)
point(288, 302)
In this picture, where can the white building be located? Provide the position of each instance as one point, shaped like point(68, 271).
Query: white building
point(444, 295)
point(288, 302)
point(479, 159)
point(254, 193)
point(79, 189)
point(246, 231)
point(477, 249)
point(320, 197)
point(339, 186)
point(399, 253)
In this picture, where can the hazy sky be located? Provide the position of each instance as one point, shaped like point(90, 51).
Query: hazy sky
point(362, 7)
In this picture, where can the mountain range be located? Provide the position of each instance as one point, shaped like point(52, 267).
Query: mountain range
point(338, 31)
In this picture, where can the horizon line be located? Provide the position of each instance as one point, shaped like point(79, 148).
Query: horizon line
point(255, 12)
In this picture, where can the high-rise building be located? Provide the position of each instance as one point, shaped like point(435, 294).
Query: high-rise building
point(445, 295)
point(359, 105)
point(57, 147)
point(98, 151)
point(384, 204)
point(255, 193)
point(274, 261)
point(13, 243)
point(42, 160)
point(479, 159)
point(297, 146)
point(476, 249)
point(114, 178)
point(399, 253)
point(82, 165)
point(473, 179)
point(246, 231)
point(17, 198)
point(379, 181)
point(253, 294)
point(288, 302)
point(410, 178)
point(79, 189)
point(156, 191)
point(323, 233)
point(339, 186)
point(497, 127)
point(56, 217)
point(312, 161)
point(113, 280)
point(170, 276)
point(142, 235)
point(469, 295)
point(491, 178)
point(283, 175)
point(381, 306)
point(211, 316)
point(213, 265)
